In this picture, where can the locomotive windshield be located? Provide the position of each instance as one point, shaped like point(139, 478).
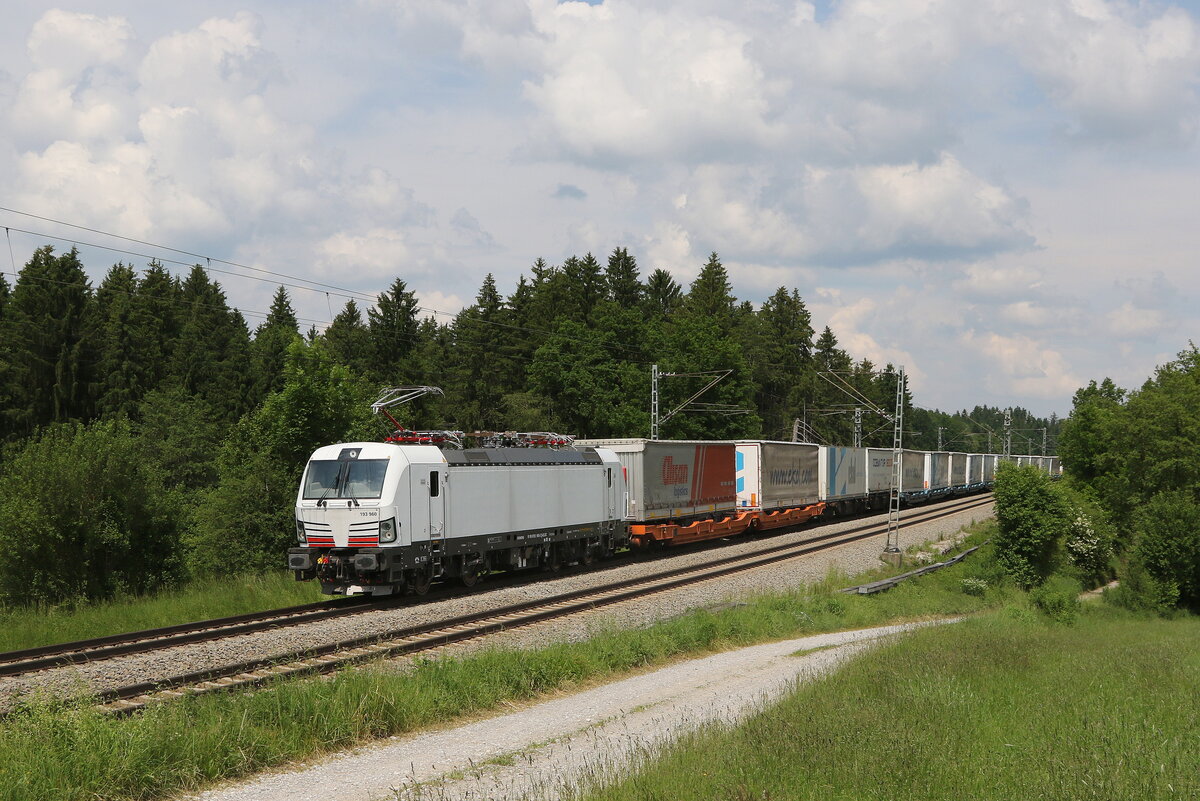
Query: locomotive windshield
point(333, 479)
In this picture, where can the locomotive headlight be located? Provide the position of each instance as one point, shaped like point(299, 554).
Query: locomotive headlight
point(387, 530)
point(300, 531)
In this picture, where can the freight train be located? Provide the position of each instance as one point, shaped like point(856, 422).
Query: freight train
point(383, 518)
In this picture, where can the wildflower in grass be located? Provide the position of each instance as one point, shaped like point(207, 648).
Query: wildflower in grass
point(974, 586)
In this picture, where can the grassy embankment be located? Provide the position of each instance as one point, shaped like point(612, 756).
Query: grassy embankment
point(53, 751)
point(29, 628)
point(1000, 707)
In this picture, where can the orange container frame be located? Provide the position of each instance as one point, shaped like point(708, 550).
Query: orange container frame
point(664, 534)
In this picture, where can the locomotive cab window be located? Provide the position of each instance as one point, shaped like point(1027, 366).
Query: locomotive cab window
point(435, 486)
point(327, 479)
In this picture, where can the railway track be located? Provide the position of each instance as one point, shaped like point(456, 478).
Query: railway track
point(14, 663)
point(323, 659)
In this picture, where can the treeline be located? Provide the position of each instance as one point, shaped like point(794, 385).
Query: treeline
point(1134, 452)
point(1130, 504)
point(153, 436)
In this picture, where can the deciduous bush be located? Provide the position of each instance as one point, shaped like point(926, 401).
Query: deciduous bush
point(1164, 566)
point(76, 518)
point(1033, 518)
point(1058, 599)
point(1089, 543)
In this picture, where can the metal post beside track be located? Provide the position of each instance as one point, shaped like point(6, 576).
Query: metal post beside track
point(891, 551)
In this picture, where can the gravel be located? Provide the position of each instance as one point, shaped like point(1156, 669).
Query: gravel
point(849, 559)
point(551, 748)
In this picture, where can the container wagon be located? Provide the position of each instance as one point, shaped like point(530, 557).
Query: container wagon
point(679, 491)
point(842, 473)
point(780, 480)
point(958, 473)
point(975, 467)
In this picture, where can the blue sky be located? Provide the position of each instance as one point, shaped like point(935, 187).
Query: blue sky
point(1000, 195)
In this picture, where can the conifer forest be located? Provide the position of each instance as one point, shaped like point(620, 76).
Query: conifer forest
point(152, 436)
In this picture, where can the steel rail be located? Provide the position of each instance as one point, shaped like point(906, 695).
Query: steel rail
point(45, 657)
point(326, 658)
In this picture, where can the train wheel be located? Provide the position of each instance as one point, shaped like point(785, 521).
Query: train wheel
point(470, 577)
point(419, 582)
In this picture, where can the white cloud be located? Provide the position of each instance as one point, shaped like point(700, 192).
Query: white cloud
point(191, 148)
point(851, 323)
point(619, 81)
point(1021, 366)
point(75, 90)
point(670, 247)
point(905, 155)
point(989, 281)
point(1031, 315)
point(439, 304)
point(378, 253)
point(1129, 320)
point(1122, 71)
point(72, 43)
point(858, 215)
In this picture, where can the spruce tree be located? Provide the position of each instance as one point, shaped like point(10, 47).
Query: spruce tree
point(6, 379)
point(44, 343)
point(525, 336)
point(269, 349)
point(159, 303)
point(481, 372)
point(349, 341)
point(780, 353)
point(663, 294)
point(585, 287)
point(829, 356)
point(395, 328)
point(122, 332)
point(548, 302)
point(622, 280)
point(711, 295)
point(211, 357)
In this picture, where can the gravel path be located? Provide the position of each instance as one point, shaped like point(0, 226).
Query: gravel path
point(546, 750)
point(850, 559)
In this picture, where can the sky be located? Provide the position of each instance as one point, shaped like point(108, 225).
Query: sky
point(1003, 196)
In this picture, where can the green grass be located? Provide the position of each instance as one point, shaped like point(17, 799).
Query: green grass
point(51, 751)
point(28, 628)
point(999, 707)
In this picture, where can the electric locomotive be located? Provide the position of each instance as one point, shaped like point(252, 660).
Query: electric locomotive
point(383, 518)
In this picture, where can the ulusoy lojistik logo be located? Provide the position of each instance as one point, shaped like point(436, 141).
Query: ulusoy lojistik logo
point(673, 473)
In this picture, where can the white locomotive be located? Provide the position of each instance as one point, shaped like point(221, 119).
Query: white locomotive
point(380, 518)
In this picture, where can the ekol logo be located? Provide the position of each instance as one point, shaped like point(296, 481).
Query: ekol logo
point(673, 473)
